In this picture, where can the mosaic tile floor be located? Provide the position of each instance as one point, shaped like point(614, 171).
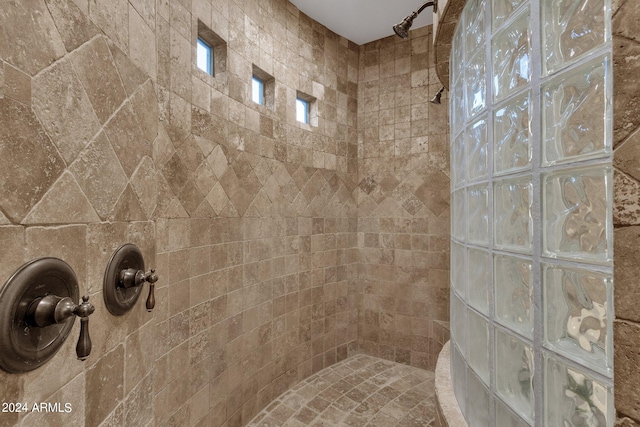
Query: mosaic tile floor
point(359, 391)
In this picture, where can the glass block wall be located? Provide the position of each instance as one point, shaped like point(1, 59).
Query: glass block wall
point(531, 231)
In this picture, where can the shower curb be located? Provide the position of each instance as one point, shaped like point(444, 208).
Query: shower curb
point(448, 412)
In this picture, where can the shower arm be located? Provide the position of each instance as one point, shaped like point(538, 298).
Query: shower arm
point(427, 4)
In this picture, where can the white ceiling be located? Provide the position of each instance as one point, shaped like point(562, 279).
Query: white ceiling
point(362, 21)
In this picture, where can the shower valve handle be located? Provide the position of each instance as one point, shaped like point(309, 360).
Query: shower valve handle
point(151, 299)
point(131, 277)
point(52, 310)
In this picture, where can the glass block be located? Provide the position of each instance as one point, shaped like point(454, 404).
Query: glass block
point(456, 60)
point(478, 214)
point(514, 293)
point(476, 86)
point(478, 279)
point(506, 418)
point(459, 323)
point(458, 105)
point(575, 398)
point(476, 145)
point(514, 378)
point(474, 26)
point(512, 135)
point(511, 52)
point(459, 377)
point(501, 10)
point(577, 320)
point(577, 214)
point(458, 274)
point(458, 224)
point(512, 214)
point(478, 345)
point(572, 28)
point(458, 161)
point(478, 403)
point(576, 113)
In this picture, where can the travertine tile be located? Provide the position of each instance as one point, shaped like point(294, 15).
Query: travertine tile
point(376, 402)
point(127, 138)
point(104, 386)
point(64, 203)
point(17, 85)
point(26, 156)
point(96, 166)
point(97, 72)
point(71, 124)
point(72, 23)
point(626, 356)
point(142, 40)
point(113, 18)
point(625, 74)
point(40, 43)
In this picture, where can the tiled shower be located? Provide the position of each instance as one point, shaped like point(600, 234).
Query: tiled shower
point(259, 227)
point(531, 234)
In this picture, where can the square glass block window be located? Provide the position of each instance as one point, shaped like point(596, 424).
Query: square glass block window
point(302, 110)
point(514, 379)
point(478, 328)
point(204, 56)
point(478, 278)
point(506, 418)
point(257, 90)
point(577, 214)
point(478, 402)
point(513, 201)
point(514, 293)
point(576, 113)
point(577, 320)
point(575, 398)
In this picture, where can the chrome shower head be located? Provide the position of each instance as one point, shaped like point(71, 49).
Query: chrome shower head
point(402, 29)
point(436, 99)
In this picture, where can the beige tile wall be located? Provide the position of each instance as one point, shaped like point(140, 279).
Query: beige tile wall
point(110, 134)
point(626, 209)
point(403, 202)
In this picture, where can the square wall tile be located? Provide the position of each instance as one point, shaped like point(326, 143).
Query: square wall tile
point(578, 315)
point(577, 214)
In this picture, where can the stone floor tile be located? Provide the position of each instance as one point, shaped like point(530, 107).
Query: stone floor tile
point(358, 391)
